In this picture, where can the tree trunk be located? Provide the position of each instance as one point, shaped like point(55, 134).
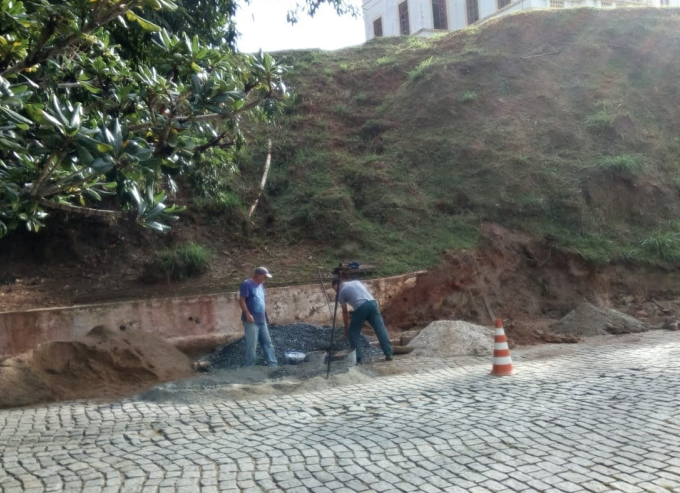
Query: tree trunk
point(267, 164)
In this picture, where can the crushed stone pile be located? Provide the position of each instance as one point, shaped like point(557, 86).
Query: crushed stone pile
point(453, 338)
point(290, 337)
point(589, 320)
point(104, 363)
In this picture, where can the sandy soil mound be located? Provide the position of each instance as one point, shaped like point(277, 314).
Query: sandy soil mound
point(589, 320)
point(453, 338)
point(104, 363)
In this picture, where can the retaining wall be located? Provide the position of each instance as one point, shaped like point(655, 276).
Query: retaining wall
point(187, 322)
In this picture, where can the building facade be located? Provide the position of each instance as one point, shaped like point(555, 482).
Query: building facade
point(428, 17)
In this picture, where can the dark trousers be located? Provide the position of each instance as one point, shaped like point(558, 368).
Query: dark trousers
point(368, 312)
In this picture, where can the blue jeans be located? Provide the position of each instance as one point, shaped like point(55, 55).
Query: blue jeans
point(253, 333)
point(368, 312)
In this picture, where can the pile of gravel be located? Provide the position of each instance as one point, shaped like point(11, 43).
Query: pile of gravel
point(589, 320)
point(453, 338)
point(292, 337)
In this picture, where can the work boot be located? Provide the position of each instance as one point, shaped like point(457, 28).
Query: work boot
point(389, 357)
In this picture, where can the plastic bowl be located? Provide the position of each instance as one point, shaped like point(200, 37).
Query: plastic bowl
point(294, 357)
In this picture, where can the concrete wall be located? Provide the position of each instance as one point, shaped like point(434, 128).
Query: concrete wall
point(186, 321)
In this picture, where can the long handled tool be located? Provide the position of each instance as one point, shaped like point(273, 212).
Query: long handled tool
point(323, 286)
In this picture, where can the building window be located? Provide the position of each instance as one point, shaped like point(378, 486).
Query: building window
point(608, 5)
point(473, 11)
point(665, 3)
point(439, 14)
point(403, 19)
point(377, 28)
point(503, 3)
point(556, 4)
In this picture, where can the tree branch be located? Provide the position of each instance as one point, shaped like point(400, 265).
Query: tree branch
point(199, 118)
point(79, 210)
point(46, 172)
point(61, 187)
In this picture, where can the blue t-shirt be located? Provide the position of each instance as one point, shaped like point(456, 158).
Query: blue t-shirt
point(253, 293)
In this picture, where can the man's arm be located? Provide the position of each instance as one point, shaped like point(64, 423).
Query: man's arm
point(244, 309)
point(345, 318)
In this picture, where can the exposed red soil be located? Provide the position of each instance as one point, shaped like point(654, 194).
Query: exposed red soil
point(528, 285)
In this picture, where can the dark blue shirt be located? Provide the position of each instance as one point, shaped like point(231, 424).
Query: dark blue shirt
point(253, 293)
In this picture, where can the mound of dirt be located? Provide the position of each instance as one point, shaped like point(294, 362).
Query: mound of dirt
point(589, 320)
point(453, 338)
point(104, 363)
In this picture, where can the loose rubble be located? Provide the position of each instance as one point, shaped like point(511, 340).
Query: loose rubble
point(453, 338)
point(291, 337)
point(589, 320)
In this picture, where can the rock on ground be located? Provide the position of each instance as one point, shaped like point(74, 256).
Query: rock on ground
point(453, 338)
point(589, 320)
point(291, 337)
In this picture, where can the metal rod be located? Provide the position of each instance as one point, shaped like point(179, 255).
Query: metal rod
point(328, 302)
point(335, 314)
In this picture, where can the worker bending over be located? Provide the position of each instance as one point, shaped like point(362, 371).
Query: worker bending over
point(366, 309)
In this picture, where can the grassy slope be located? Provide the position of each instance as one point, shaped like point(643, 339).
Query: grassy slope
point(562, 123)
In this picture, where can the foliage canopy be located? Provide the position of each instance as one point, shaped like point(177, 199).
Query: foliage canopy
point(88, 126)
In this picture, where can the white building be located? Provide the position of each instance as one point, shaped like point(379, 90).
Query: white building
point(427, 17)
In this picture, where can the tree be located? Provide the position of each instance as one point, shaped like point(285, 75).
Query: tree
point(86, 130)
point(210, 20)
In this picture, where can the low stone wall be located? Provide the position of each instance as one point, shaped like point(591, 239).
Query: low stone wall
point(188, 322)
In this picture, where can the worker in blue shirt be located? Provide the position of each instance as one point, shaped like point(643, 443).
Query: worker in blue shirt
point(254, 317)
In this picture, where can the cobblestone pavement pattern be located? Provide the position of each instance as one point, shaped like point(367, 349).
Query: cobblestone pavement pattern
point(606, 418)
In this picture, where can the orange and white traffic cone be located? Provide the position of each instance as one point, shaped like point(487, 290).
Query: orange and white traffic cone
point(502, 362)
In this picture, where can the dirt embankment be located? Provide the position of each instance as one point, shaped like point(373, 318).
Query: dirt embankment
point(103, 364)
point(527, 283)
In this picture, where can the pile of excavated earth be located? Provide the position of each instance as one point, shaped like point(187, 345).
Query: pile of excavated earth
point(445, 338)
point(588, 320)
point(103, 364)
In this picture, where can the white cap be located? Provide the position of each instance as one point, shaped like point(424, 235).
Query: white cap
point(263, 272)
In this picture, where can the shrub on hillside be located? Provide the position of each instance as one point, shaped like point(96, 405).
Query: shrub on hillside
point(623, 165)
point(179, 262)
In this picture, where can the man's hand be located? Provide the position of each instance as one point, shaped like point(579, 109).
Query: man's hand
point(250, 318)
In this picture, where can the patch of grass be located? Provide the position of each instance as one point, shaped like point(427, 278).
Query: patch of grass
point(181, 261)
point(625, 164)
point(341, 109)
point(222, 202)
point(468, 97)
point(602, 120)
point(416, 43)
point(418, 71)
point(664, 244)
point(384, 61)
point(362, 97)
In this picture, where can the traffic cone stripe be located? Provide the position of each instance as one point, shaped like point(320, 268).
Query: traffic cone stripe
point(502, 362)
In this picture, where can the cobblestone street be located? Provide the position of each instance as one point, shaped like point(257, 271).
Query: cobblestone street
point(605, 418)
